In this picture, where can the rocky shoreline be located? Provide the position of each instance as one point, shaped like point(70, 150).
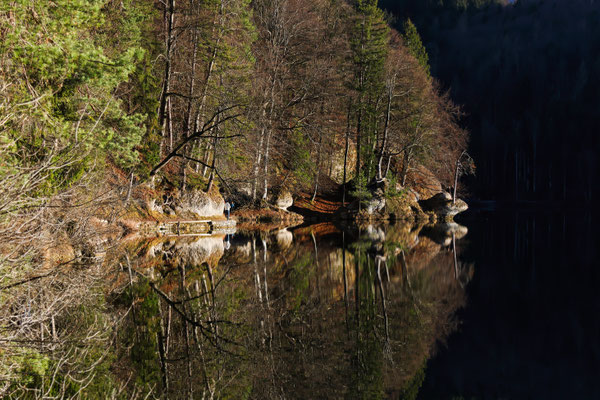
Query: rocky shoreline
point(157, 208)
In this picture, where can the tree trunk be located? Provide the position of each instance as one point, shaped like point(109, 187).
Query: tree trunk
point(189, 117)
point(455, 181)
point(268, 139)
point(170, 122)
point(207, 77)
point(406, 165)
point(214, 159)
point(318, 168)
point(257, 161)
point(385, 133)
point(169, 20)
point(358, 140)
point(346, 148)
point(266, 182)
point(387, 168)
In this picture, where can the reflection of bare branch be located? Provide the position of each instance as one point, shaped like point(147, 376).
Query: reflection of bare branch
point(203, 329)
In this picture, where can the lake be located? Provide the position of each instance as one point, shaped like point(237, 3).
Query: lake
point(530, 329)
point(502, 305)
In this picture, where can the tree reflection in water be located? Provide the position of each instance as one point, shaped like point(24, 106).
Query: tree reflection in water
point(316, 312)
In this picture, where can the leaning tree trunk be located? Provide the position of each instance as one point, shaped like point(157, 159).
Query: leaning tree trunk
point(214, 159)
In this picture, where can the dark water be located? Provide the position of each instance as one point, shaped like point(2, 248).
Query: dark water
point(504, 307)
point(531, 329)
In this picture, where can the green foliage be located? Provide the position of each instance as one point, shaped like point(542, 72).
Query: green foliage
point(392, 190)
point(369, 49)
point(299, 280)
point(411, 390)
point(361, 191)
point(62, 67)
point(300, 160)
point(144, 349)
point(34, 367)
point(415, 45)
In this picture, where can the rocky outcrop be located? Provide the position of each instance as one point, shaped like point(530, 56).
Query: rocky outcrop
point(200, 203)
point(423, 182)
point(442, 205)
point(380, 206)
point(283, 199)
point(405, 207)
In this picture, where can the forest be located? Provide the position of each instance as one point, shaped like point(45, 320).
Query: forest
point(113, 109)
point(257, 95)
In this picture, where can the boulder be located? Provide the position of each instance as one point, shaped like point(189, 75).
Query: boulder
point(375, 204)
point(424, 182)
point(405, 207)
point(152, 206)
point(441, 205)
point(200, 203)
point(284, 199)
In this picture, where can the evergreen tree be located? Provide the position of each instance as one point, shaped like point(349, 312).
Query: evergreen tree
point(59, 86)
point(415, 45)
point(369, 42)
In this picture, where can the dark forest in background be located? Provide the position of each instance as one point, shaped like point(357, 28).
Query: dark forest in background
point(526, 74)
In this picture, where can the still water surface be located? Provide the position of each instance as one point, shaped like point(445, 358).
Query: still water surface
point(311, 312)
point(531, 327)
point(504, 309)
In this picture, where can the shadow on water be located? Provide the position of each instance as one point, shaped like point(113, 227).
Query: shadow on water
point(314, 312)
point(531, 328)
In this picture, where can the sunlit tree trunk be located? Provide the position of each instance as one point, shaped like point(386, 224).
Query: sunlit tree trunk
point(169, 22)
point(380, 175)
point(346, 149)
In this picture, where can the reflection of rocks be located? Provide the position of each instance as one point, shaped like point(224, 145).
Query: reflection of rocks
point(442, 233)
point(284, 239)
point(244, 249)
point(375, 233)
point(441, 204)
point(450, 228)
point(207, 249)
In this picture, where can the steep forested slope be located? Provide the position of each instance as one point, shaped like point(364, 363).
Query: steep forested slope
point(526, 74)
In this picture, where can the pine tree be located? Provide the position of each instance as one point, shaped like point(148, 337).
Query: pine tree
point(413, 41)
point(369, 51)
point(62, 72)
